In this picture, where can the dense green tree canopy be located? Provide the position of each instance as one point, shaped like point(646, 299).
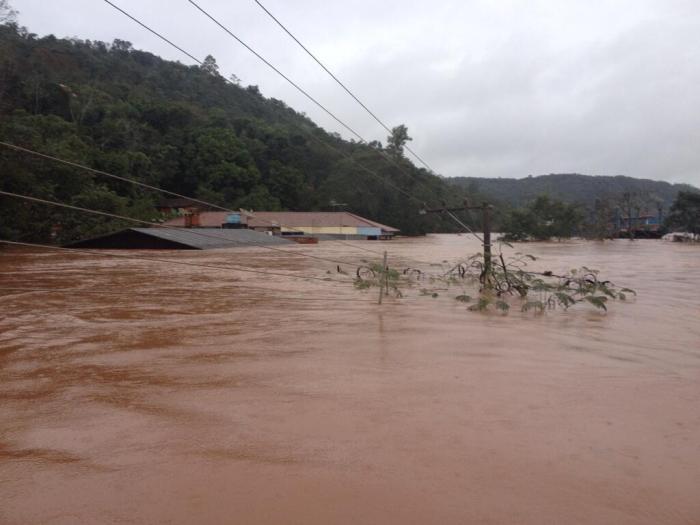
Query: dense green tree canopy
point(397, 140)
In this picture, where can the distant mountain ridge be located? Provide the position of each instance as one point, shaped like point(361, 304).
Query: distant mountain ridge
point(569, 187)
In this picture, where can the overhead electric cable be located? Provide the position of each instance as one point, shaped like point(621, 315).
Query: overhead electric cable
point(402, 191)
point(110, 175)
point(138, 183)
point(305, 93)
point(294, 84)
point(276, 70)
point(467, 228)
point(200, 62)
point(153, 31)
point(340, 83)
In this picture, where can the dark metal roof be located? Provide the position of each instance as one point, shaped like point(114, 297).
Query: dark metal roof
point(183, 238)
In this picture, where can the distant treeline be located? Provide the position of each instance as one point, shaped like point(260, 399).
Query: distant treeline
point(183, 128)
point(571, 188)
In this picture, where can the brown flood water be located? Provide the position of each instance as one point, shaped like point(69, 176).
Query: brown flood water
point(174, 394)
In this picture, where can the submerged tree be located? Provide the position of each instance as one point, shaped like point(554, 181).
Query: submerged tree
point(507, 282)
point(685, 212)
point(631, 204)
point(598, 225)
point(542, 219)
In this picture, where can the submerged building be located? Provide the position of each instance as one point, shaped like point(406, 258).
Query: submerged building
point(178, 239)
point(322, 225)
point(644, 224)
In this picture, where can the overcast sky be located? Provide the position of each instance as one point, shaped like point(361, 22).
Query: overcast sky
point(499, 88)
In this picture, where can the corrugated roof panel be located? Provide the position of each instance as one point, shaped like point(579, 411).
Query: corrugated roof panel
point(208, 238)
point(179, 238)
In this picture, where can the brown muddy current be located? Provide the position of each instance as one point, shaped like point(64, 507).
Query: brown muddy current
point(158, 393)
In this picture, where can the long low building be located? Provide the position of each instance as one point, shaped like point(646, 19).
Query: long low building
point(341, 224)
point(178, 239)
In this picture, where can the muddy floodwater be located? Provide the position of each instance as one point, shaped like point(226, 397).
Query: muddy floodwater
point(150, 392)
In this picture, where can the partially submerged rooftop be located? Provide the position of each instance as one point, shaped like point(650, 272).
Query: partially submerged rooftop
point(288, 219)
point(179, 239)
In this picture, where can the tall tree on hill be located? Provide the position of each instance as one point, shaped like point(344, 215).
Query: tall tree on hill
point(7, 14)
point(210, 66)
point(397, 140)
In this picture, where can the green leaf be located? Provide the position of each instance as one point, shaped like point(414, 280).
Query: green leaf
point(607, 291)
point(481, 305)
point(628, 290)
point(598, 301)
point(533, 305)
point(565, 299)
point(502, 306)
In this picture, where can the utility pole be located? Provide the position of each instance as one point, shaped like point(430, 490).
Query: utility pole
point(336, 205)
point(383, 279)
point(485, 209)
point(486, 218)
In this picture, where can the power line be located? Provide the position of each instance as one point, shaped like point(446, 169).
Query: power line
point(200, 62)
point(301, 90)
point(401, 190)
point(269, 64)
point(383, 179)
point(122, 217)
point(153, 31)
point(155, 188)
point(294, 84)
point(467, 228)
point(110, 175)
point(341, 84)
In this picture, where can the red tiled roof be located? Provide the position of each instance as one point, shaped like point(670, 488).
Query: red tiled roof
point(289, 219)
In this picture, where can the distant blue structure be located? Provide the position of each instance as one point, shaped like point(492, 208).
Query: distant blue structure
point(644, 224)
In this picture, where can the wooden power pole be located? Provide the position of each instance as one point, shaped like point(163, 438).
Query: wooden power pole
point(383, 279)
point(486, 222)
point(485, 209)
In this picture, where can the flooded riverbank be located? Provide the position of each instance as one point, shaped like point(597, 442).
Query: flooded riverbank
point(154, 393)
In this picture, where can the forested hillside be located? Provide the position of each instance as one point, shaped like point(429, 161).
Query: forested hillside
point(183, 128)
point(573, 188)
